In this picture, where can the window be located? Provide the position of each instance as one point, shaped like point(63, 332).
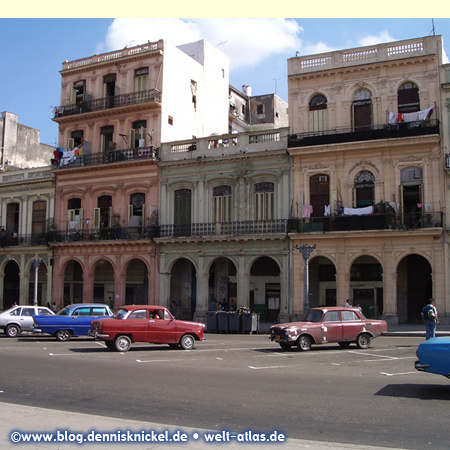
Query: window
point(74, 214)
point(222, 204)
point(264, 193)
point(141, 314)
point(12, 217)
point(99, 312)
point(136, 210)
point(348, 316)
point(260, 109)
point(137, 137)
point(107, 138)
point(103, 212)
point(76, 138)
point(141, 79)
point(78, 92)
point(28, 312)
point(182, 212)
point(82, 312)
point(318, 114)
point(170, 120)
point(408, 98)
point(39, 217)
point(319, 197)
point(109, 89)
point(362, 110)
point(364, 189)
point(332, 316)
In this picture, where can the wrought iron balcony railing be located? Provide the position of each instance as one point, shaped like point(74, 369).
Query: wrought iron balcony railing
point(102, 234)
point(240, 228)
point(100, 104)
point(112, 156)
point(394, 221)
point(366, 133)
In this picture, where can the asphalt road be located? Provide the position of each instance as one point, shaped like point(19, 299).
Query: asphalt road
point(239, 383)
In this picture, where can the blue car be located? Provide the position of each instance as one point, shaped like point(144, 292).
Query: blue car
point(73, 320)
point(434, 356)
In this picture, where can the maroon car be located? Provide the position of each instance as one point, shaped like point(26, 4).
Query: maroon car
point(146, 323)
point(343, 325)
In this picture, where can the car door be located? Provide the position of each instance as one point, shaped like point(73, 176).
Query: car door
point(352, 325)
point(161, 328)
point(26, 318)
point(331, 327)
point(137, 325)
point(80, 320)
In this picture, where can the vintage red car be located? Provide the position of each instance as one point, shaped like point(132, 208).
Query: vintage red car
point(146, 323)
point(343, 325)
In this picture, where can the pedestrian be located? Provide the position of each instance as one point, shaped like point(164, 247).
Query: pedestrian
point(347, 303)
point(430, 319)
point(359, 307)
point(54, 307)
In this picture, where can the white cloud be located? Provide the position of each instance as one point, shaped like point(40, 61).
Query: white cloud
point(246, 42)
point(382, 37)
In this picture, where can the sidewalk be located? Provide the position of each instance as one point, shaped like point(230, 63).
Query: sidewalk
point(27, 419)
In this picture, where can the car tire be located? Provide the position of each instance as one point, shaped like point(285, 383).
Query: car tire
point(13, 331)
point(110, 345)
point(122, 343)
point(187, 342)
point(344, 344)
point(363, 340)
point(304, 343)
point(63, 335)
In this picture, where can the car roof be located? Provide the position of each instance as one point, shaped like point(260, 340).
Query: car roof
point(85, 305)
point(336, 308)
point(135, 307)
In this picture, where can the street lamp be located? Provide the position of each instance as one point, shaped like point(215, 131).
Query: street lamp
point(306, 250)
point(36, 262)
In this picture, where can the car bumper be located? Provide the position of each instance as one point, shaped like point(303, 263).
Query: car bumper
point(96, 335)
point(37, 331)
point(421, 367)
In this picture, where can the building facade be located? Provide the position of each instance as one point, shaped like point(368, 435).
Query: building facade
point(116, 109)
point(223, 227)
point(368, 178)
point(27, 200)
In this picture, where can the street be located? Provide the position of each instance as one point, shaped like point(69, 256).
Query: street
point(239, 383)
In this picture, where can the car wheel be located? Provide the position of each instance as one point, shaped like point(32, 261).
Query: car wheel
point(285, 346)
point(110, 345)
point(304, 343)
point(63, 335)
point(363, 340)
point(13, 330)
point(123, 343)
point(187, 342)
point(344, 344)
point(174, 345)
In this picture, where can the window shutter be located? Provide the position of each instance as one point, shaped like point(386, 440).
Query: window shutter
point(73, 96)
point(353, 197)
point(96, 217)
point(71, 143)
point(70, 217)
point(110, 213)
point(80, 212)
point(143, 216)
point(132, 139)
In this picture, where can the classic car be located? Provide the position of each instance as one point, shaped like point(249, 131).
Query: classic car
point(146, 323)
point(434, 356)
point(344, 325)
point(20, 318)
point(73, 320)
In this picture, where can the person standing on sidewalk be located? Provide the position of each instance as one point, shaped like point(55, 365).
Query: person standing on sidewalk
point(430, 319)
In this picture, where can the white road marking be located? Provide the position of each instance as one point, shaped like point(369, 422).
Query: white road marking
point(394, 374)
point(267, 367)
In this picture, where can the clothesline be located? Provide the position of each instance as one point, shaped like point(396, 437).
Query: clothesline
point(419, 116)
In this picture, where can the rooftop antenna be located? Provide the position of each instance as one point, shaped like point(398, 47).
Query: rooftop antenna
point(221, 43)
point(433, 32)
point(275, 79)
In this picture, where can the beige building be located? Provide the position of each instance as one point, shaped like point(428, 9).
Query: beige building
point(368, 178)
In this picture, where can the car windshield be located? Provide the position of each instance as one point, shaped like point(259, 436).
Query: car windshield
point(63, 312)
point(120, 314)
point(313, 316)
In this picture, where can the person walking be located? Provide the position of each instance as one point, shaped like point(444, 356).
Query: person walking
point(430, 319)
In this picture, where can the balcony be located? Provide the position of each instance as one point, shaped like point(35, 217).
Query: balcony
point(369, 133)
point(9, 242)
point(394, 221)
point(102, 234)
point(240, 228)
point(102, 104)
point(112, 156)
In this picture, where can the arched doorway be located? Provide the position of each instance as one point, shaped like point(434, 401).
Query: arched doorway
point(322, 282)
point(366, 284)
point(73, 283)
point(104, 282)
point(11, 286)
point(183, 289)
point(265, 288)
point(414, 287)
point(136, 287)
point(222, 285)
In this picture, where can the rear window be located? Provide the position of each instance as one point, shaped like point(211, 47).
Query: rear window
point(99, 312)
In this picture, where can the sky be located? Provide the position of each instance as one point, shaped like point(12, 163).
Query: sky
point(33, 50)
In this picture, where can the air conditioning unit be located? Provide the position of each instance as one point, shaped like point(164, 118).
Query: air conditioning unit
point(323, 178)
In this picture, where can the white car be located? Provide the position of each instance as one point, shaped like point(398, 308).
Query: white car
point(20, 318)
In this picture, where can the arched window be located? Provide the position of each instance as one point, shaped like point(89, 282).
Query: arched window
point(318, 114)
point(408, 98)
point(364, 189)
point(362, 110)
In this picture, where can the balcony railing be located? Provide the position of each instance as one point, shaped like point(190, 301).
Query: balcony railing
point(112, 156)
point(102, 234)
point(395, 221)
point(100, 104)
point(367, 133)
point(9, 241)
point(240, 228)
